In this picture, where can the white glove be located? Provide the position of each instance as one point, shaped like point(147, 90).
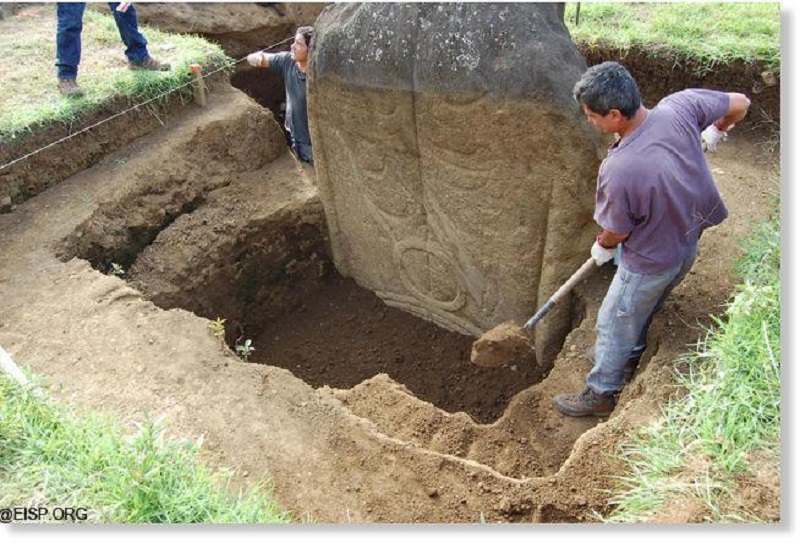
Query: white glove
point(254, 59)
point(711, 137)
point(602, 255)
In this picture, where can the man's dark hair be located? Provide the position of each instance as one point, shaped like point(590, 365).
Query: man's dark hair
point(307, 32)
point(608, 86)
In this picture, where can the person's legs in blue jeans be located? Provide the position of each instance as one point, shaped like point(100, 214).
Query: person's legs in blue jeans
point(68, 39)
point(641, 343)
point(128, 26)
point(624, 318)
point(628, 304)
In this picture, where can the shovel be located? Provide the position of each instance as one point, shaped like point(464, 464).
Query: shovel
point(508, 342)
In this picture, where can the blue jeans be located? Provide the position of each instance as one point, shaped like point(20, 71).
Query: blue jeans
point(68, 36)
point(303, 151)
point(624, 318)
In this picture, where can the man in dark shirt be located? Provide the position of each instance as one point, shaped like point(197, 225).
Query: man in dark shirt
point(655, 196)
point(293, 67)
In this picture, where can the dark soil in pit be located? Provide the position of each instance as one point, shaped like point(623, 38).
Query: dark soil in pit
point(346, 334)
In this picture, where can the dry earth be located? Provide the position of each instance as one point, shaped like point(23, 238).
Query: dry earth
point(356, 412)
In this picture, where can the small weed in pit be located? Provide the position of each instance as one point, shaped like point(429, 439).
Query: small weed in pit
point(116, 269)
point(245, 349)
point(218, 329)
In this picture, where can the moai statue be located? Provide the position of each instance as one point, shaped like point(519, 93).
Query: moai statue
point(456, 170)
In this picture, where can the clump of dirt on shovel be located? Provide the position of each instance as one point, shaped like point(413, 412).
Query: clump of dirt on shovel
point(503, 345)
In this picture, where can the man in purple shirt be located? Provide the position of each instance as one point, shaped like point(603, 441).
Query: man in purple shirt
point(655, 196)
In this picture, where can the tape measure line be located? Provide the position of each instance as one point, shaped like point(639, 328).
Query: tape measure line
point(132, 108)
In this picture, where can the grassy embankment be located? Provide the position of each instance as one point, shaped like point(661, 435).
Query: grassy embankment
point(51, 458)
point(710, 32)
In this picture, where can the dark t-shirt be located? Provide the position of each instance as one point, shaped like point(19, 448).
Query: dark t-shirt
point(295, 82)
point(656, 186)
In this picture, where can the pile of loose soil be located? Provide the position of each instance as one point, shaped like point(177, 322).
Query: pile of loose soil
point(502, 345)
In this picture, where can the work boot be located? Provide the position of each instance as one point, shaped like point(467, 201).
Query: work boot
point(149, 64)
point(585, 403)
point(69, 87)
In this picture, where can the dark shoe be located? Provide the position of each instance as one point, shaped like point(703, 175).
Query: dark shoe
point(585, 403)
point(150, 64)
point(69, 87)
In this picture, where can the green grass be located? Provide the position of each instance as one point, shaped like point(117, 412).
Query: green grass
point(51, 458)
point(27, 62)
point(710, 32)
point(731, 409)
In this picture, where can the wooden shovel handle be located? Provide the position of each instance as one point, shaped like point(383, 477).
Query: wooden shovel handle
point(582, 273)
point(579, 275)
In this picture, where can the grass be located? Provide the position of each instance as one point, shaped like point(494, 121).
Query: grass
point(27, 65)
point(710, 32)
point(731, 412)
point(51, 458)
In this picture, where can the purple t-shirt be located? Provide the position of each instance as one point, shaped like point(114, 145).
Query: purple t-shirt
point(655, 183)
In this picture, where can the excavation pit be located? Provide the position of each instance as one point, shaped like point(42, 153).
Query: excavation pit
point(345, 335)
point(266, 88)
point(254, 252)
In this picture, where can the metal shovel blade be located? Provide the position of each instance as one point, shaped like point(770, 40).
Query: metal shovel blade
point(508, 341)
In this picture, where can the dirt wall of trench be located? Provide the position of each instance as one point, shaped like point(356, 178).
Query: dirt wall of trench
point(50, 165)
point(661, 74)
